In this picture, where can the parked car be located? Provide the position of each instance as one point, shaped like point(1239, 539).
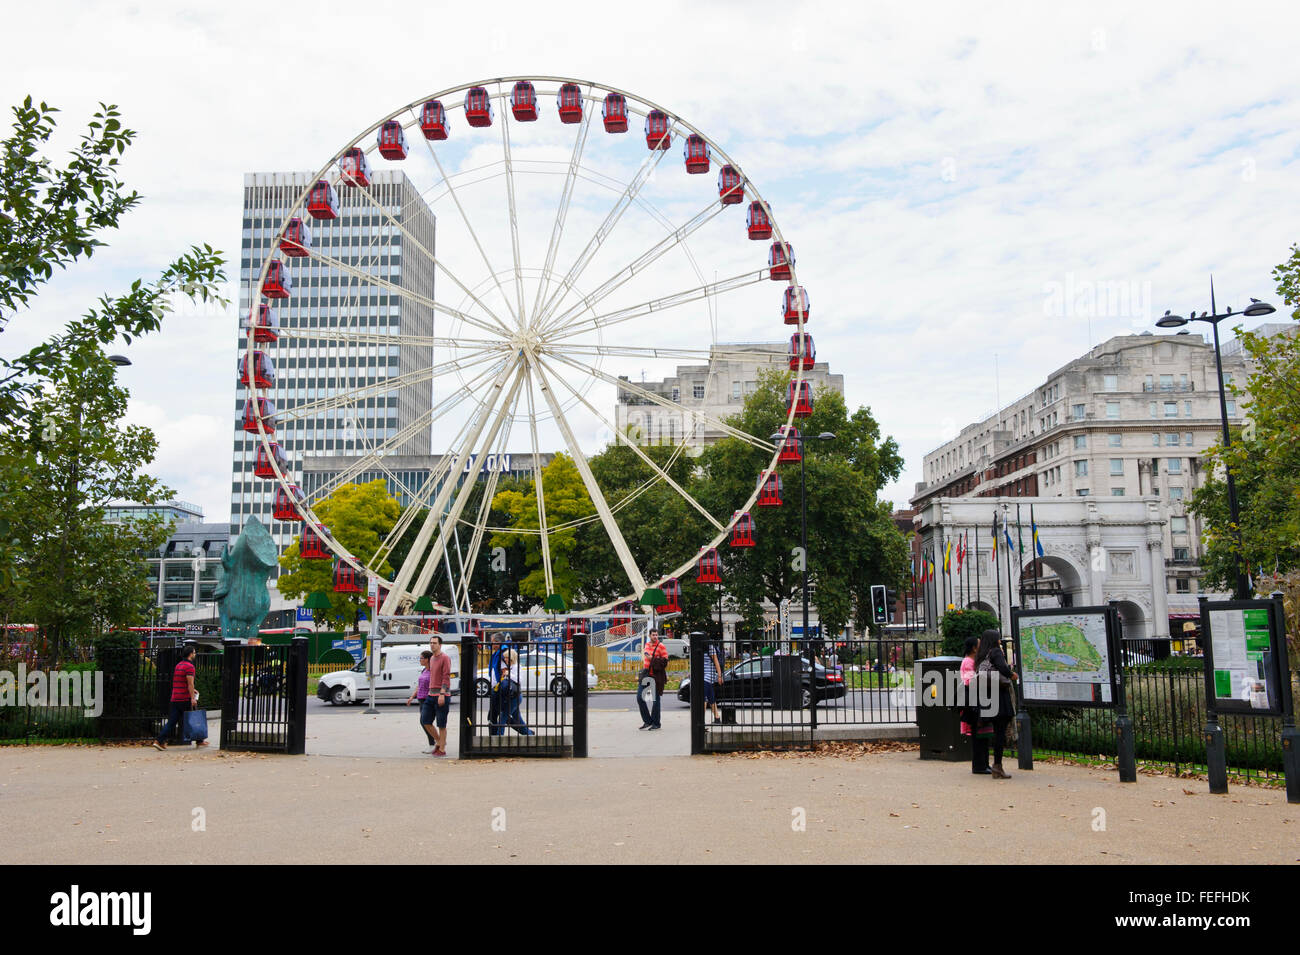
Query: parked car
point(399, 672)
point(541, 670)
point(751, 682)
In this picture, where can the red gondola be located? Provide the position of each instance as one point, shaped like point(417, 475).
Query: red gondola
point(311, 545)
point(569, 101)
point(656, 130)
point(614, 113)
point(478, 107)
point(278, 282)
point(264, 323)
point(286, 504)
point(621, 615)
point(345, 578)
point(706, 571)
point(575, 627)
point(730, 189)
point(262, 467)
point(433, 120)
point(799, 395)
point(296, 241)
point(758, 222)
point(770, 493)
point(779, 259)
point(523, 101)
point(791, 446)
point(263, 369)
point(392, 140)
point(696, 154)
point(354, 167)
point(323, 201)
point(795, 305)
point(742, 529)
point(803, 353)
point(673, 594)
point(259, 409)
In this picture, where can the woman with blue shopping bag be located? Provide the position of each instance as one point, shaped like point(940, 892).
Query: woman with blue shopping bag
point(184, 700)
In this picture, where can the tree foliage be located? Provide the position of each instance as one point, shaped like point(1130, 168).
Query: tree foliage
point(359, 517)
point(1264, 458)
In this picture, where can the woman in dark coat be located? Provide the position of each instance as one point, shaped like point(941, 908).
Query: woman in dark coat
point(991, 663)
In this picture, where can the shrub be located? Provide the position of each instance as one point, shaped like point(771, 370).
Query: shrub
point(957, 625)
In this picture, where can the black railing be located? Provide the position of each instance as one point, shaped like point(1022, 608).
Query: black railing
point(1166, 701)
point(264, 697)
point(540, 710)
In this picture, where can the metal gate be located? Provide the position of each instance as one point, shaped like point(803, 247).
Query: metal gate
point(545, 714)
point(768, 697)
point(264, 697)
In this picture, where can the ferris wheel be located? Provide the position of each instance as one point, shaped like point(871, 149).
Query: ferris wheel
point(571, 253)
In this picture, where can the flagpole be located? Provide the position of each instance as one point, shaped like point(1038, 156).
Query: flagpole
point(997, 571)
point(946, 564)
point(1020, 561)
point(1033, 525)
point(978, 597)
point(1006, 536)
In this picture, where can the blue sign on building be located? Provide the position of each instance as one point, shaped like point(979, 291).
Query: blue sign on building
point(352, 645)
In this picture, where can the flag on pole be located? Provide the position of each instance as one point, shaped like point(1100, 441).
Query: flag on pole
point(932, 566)
point(947, 558)
point(961, 552)
point(1011, 546)
point(994, 549)
point(1038, 545)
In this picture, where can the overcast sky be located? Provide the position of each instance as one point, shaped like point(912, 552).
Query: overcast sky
point(958, 179)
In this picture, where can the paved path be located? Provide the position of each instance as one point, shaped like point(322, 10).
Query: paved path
point(132, 804)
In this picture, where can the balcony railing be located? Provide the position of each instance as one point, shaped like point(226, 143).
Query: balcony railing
point(1152, 387)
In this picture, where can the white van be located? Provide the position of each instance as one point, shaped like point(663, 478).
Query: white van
point(399, 673)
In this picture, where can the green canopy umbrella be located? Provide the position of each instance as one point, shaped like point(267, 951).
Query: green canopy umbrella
point(318, 600)
point(555, 604)
point(424, 604)
point(653, 597)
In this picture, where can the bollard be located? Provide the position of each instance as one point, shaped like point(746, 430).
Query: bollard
point(1291, 761)
point(1216, 758)
point(1125, 757)
point(1025, 739)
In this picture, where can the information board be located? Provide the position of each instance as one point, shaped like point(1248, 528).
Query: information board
point(1065, 656)
point(1244, 648)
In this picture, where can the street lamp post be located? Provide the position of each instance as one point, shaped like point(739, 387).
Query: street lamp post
point(1255, 309)
point(803, 545)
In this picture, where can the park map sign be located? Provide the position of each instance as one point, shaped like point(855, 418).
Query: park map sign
point(1245, 651)
point(1064, 656)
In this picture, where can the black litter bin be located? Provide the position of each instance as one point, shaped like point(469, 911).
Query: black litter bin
point(787, 682)
point(936, 718)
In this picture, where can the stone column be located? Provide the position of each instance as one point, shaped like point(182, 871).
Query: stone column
point(1096, 556)
point(1159, 582)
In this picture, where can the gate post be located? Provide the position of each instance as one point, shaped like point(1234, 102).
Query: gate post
point(579, 695)
point(468, 693)
point(296, 686)
point(697, 693)
point(230, 660)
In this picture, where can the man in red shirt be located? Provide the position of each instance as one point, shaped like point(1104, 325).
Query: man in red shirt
point(184, 697)
point(654, 675)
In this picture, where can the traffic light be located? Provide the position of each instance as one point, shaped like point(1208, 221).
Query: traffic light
point(879, 608)
point(891, 598)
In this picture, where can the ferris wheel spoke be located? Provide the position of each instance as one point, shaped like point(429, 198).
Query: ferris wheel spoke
point(623, 203)
point(335, 334)
point(693, 414)
point(405, 292)
point(421, 543)
point(451, 191)
point(434, 260)
point(537, 486)
point(514, 220)
point(301, 410)
point(578, 327)
point(466, 487)
point(562, 213)
point(663, 475)
point(701, 354)
point(638, 265)
point(593, 487)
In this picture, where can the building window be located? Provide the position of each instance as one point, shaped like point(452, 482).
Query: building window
point(1077, 411)
point(1178, 525)
point(1115, 440)
point(1182, 585)
point(1110, 382)
point(677, 394)
point(1117, 492)
point(1155, 439)
point(1171, 439)
point(1232, 409)
point(1154, 411)
point(1080, 441)
point(1188, 436)
point(698, 391)
point(1116, 465)
point(1175, 494)
point(1081, 492)
point(1166, 382)
point(1171, 409)
point(1080, 468)
point(1182, 553)
point(735, 389)
point(1112, 409)
point(1175, 465)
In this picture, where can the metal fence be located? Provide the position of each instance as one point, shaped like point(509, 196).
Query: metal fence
point(1166, 700)
point(264, 697)
point(541, 710)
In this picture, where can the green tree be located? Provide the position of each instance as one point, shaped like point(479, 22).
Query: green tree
point(359, 517)
point(73, 574)
point(1264, 458)
point(53, 216)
